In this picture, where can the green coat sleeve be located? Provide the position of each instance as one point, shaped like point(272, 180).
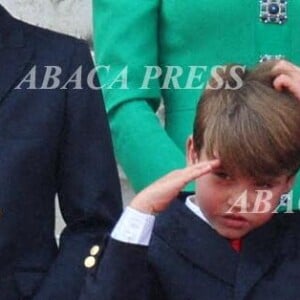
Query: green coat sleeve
point(125, 34)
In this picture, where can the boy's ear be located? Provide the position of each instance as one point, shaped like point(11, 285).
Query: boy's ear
point(191, 155)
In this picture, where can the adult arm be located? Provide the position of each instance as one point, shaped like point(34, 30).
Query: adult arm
point(87, 183)
point(126, 35)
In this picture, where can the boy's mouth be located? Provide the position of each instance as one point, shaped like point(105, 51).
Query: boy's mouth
point(234, 221)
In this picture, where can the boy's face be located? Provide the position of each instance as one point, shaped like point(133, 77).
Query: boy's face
point(231, 203)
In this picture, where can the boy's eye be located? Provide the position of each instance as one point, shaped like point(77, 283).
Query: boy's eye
point(222, 175)
point(264, 185)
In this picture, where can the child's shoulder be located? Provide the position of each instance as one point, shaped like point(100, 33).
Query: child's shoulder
point(179, 225)
point(290, 220)
point(289, 235)
point(176, 216)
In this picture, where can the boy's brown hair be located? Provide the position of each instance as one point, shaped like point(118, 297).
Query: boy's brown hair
point(255, 130)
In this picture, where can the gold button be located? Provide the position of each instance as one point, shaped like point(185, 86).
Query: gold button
point(95, 250)
point(90, 262)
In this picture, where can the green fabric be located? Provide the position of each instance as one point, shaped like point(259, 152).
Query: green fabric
point(142, 33)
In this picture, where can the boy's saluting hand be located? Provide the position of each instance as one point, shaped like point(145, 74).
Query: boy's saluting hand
point(157, 197)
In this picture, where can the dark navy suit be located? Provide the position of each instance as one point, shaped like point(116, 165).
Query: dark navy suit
point(188, 260)
point(51, 141)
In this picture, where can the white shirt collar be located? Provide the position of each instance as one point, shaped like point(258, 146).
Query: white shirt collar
point(190, 203)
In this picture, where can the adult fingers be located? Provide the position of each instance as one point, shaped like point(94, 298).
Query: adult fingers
point(283, 67)
point(289, 82)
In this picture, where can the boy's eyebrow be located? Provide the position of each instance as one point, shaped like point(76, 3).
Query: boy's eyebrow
point(220, 169)
point(268, 180)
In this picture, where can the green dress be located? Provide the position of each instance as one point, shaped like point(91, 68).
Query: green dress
point(163, 33)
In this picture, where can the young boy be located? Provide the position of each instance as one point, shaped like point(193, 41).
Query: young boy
point(224, 242)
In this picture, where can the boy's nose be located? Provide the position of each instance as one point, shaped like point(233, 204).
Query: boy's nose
point(240, 199)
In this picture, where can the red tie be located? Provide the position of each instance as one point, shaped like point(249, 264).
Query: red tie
point(236, 244)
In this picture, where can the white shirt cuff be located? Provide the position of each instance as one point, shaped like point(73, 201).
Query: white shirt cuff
point(134, 227)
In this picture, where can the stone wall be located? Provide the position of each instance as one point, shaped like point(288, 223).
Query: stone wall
point(73, 17)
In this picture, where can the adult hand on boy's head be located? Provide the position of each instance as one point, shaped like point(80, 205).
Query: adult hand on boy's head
point(157, 197)
point(287, 76)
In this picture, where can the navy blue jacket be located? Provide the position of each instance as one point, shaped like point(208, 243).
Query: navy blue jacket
point(52, 141)
point(188, 260)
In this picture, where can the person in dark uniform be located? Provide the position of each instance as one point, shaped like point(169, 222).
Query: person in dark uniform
point(225, 241)
point(52, 141)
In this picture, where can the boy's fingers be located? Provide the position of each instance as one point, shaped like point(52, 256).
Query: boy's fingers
point(210, 164)
point(156, 197)
point(194, 171)
point(179, 178)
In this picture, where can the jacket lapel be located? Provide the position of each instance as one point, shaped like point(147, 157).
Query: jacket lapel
point(14, 54)
point(192, 238)
point(260, 253)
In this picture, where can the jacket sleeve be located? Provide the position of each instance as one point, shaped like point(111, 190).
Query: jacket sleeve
point(123, 273)
point(126, 36)
point(87, 183)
